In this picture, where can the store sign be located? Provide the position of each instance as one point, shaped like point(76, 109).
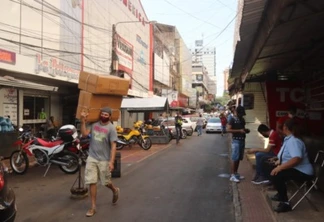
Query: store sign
point(134, 9)
point(7, 57)
point(281, 95)
point(10, 95)
point(125, 52)
point(140, 41)
point(56, 69)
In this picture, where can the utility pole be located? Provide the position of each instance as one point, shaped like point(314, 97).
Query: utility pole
point(114, 57)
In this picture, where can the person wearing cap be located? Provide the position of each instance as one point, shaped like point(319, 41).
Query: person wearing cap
point(236, 126)
point(102, 151)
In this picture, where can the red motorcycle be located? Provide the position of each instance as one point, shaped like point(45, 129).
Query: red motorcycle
point(47, 152)
point(81, 148)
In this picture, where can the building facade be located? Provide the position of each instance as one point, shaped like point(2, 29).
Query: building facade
point(45, 44)
point(177, 64)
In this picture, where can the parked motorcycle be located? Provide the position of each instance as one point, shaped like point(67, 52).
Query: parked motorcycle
point(81, 147)
point(47, 152)
point(133, 136)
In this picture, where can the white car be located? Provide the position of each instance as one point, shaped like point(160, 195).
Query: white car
point(188, 123)
point(214, 125)
point(193, 120)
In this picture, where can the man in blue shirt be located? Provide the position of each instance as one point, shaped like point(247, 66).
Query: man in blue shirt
point(292, 164)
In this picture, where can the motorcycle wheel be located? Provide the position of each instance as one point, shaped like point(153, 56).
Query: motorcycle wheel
point(21, 165)
point(119, 146)
point(73, 160)
point(146, 143)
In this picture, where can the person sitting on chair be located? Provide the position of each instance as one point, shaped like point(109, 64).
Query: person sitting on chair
point(292, 164)
point(262, 155)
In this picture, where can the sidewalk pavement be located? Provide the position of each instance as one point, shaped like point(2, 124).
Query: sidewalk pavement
point(129, 155)
point(252, 202)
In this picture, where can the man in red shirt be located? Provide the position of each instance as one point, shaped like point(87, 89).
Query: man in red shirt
point(275, 143)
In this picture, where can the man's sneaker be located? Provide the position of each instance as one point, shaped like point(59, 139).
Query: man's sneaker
point(255, 178)
point(234, 179)
point(283, 207)
point(239, 177)
point(115, 196)
point(260, 180)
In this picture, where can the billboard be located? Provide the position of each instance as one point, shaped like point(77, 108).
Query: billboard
point(125, 52)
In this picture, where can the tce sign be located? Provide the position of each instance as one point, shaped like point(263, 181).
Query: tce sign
point(295, 95)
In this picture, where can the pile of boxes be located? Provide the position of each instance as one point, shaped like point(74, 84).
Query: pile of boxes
point(98, 91)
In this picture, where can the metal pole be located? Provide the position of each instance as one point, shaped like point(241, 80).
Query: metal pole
point(82, 35)
point(42, 29)
point(114, 59)
point(20, 27)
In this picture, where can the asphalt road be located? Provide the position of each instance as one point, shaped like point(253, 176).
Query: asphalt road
point(178, 184)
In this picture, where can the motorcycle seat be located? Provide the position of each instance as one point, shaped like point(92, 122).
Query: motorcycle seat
point(48, 144)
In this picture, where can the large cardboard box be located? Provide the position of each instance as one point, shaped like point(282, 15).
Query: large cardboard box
point(91, 104)
point(103, 84)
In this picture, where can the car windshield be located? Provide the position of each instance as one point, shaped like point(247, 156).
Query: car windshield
point(214, 120)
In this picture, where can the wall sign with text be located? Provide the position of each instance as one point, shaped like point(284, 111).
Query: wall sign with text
point(7, 57)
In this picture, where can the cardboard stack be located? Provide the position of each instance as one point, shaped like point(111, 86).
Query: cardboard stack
point(98, 91)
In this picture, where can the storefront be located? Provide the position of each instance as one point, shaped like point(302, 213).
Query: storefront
point(34, 89)
point(284, 55)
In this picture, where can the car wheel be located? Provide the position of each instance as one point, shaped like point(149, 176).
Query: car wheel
point(191, 132)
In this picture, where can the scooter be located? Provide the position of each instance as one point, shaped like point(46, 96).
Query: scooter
point(47, 152)
point(133, 136)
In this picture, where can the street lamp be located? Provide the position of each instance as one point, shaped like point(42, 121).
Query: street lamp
point(114, 59)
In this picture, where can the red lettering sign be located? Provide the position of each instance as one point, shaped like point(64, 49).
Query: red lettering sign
point(131, 7)
point(7, 57)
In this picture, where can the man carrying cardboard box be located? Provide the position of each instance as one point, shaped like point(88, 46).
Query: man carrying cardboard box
point(102, 152)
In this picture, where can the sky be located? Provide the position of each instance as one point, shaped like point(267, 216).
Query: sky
point(209, 20)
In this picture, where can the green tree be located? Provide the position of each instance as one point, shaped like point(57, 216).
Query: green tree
point(224, 99)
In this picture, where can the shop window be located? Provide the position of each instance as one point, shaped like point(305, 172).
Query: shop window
point(248, 101)
point(36, 109)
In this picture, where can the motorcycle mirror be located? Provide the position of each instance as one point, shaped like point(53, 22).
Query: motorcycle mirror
point(21, 129)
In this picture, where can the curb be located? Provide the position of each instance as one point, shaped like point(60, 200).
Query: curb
point(235, 193)
point(237, 203)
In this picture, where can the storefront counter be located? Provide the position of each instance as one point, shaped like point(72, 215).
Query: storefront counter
point(7, 140)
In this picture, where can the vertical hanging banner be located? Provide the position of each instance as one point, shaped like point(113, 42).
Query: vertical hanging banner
point(125, 52)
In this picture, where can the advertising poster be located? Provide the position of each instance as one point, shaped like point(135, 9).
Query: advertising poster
point(281, 95)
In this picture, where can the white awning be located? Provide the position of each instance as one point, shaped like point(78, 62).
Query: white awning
point(16, 83)
point(145, 104)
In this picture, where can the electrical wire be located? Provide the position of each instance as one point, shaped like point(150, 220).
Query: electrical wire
point(195, 17)
point(134, 51)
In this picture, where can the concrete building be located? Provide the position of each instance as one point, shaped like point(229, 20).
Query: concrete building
point(176, 68)
point(45, 44)
point(226, 76)
point(200, 79)
point(206, 56)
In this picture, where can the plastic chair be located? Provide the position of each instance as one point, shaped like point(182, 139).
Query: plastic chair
point(318, 167)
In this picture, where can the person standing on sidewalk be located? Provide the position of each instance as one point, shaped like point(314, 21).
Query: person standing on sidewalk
point(223, 122)
point(102, 152)
point(200, 124)
point(262, 155)
point(236, 126)
point(178, 127)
